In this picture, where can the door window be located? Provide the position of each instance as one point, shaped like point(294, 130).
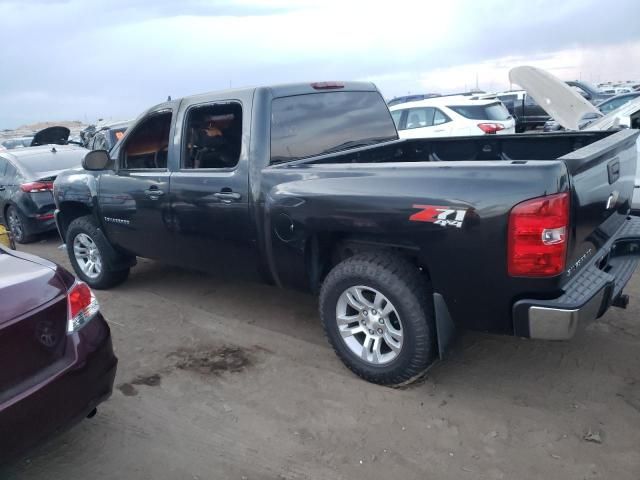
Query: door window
point(148, 145)
point(439, 117)
point(397, 115)
point(10, 174)
point(420, 117)
point(213, 136)
point(3, 167)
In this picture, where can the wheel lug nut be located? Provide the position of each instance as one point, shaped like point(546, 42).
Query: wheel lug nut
point(380, 331)
point(371, 332)
point(365, 313)
point(380, 321)
point(373, 312)
point(364, 322)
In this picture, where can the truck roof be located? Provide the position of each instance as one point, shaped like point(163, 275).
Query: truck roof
point(278, 90)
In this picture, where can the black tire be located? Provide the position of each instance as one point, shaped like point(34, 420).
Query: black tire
point(404, 286)
point(17, 224)
point(108, 277)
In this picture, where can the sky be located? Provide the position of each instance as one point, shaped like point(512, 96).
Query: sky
point(89, 59)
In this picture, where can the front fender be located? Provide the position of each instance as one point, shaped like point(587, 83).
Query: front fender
point(75, 193)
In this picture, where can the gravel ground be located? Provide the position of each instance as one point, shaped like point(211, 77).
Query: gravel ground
point(226, 379)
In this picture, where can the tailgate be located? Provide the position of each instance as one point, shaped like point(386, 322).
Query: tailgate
point(33, 319)
point(602, 182)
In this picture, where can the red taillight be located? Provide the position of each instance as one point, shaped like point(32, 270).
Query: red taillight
point(537, 236)
point(82, 306)
point(37, 187)
point(327, 85)
point(490, 127)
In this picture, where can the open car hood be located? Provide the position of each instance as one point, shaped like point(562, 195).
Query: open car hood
point(620, 117)
point(564, 104)
point(51, 135)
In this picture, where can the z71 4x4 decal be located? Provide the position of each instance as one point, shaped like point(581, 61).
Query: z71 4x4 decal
point(443, 216)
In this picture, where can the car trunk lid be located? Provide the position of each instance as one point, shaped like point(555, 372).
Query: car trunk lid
point(33, 323)
point(564, 104)
point(51, 135)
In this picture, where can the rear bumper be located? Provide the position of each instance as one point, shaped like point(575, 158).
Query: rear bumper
point(588, 295)
point(38, 225)
point(59, 402)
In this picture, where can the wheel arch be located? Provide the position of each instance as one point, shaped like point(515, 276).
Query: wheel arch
point(67, 212)
point(325, 251)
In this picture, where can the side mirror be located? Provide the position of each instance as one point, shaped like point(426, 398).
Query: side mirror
point(96, 160)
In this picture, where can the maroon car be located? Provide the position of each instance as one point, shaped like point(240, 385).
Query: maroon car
point(56, 359)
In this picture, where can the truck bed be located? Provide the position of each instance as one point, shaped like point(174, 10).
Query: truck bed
point(368, 193)
point(534, 146)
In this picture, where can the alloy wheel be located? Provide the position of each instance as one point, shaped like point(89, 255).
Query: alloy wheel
point(369, 325)
point(87, 255)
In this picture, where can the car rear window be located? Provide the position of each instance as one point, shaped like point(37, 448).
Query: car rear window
point(492, 111)
point(52, 161)
point(307, 125)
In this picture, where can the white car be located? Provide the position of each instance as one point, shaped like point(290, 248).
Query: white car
point(451, 116)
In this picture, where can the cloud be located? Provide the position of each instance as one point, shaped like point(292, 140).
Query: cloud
point(114, 59)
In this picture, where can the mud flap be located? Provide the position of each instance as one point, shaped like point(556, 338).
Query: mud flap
point(445, 328)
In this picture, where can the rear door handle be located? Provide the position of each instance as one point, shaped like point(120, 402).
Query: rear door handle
point(2, 188)
point(228, 197)
point(154, 193)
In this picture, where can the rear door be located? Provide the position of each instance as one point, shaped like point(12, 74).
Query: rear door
point(210, 186)
point(134, 197)
point(421, 122)
point(602, 181)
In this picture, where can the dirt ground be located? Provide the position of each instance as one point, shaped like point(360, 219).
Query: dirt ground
point(223, 379)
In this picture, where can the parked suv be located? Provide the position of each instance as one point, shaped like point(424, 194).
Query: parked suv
point(527, 113)
point(451, 116)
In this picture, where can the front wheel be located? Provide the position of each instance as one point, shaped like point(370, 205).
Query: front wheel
point(378, 316)
point(87, 253)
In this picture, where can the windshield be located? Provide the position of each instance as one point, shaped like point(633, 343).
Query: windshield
point(306, 125)
point(492, 111)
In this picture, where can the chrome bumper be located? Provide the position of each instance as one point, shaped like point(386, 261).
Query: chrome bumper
point(587, 296)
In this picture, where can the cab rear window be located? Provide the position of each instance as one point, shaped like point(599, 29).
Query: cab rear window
point(313, 124)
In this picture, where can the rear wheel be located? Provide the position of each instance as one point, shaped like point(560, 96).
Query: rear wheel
point(378, 316)
point(87, 252)
point(17, 224)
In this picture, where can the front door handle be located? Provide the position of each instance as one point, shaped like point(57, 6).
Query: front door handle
point(2, 188)
point(228, 197)
point(154, 193)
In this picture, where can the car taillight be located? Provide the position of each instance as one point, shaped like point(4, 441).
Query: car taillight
point(490, 127)
point(537, 236)
point(32, 187)
point(83, 306)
